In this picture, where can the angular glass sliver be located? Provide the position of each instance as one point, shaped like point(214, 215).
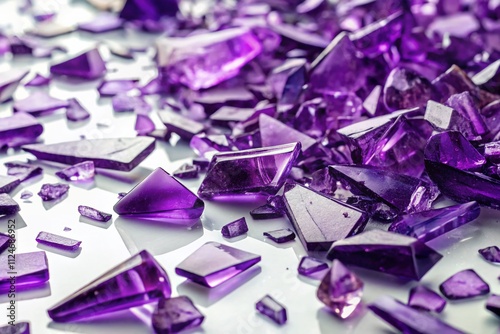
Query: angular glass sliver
point(269, 307)
point(57, 241)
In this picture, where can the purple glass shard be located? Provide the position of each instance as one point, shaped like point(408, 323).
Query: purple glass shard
point(186, 128)
point(287, 81)
point(492, 151)
point(309, 266)
point(427, 225)
point(205, 60)
point(75, 112)
point(83, 171)
point(319, 220)
point(31, 269)
point(280, 236)
point(423, 298)
point(174, 315)
point(409, 320)
point(148, 10)
point(57, 241)
point(19, 129)
point(21, 170)
point(67, 229)
point(187, 171)
point(102, 23)
point(266, 211)
point(38, 81)
point(8, 183)
point(137, 281)
point(109, 88)
point(152, 87)
point(160, 195)
point(214, 263)
point(446, 118)
point(464, 284)
point(123, 102)
point(17, 328)
point(94, 214)
point(491, 254)
point(87, 65)
point(489, 77)
point(260, 171)
point(269, 307)
point(493, 304)
point(9, 82)
point(466, 106)
point(50, 192)
point(7, 205)
point(340, 290)
point(39, 103)
point(235, 228)
point(114, 153)
point(463, 186)
point(207, 145)
point(49, 29)
point(227, 115)
point(201, 163)
point(26, 194)
point(4, 242)
point(143, 124)
point(273, 132)
point(386, 252)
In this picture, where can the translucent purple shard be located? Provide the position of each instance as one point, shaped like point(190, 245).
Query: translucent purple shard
point(57, 241)
point(186, 128)
point(423, 298)
point(490, 254)
point(113, 153)
point(340, 290)
point(260, 171)
point(102, 23)
point(493, 304)
point(109, 88)
point(88, 65)
point(75, 112)
point(174, 315)
point(26, 194)
point(235, 228)
point(427, 225)
point(7, 205)
point(19, 129)
point(21, 170)
point(464, 284)
point(319, 220)
point(160, 195)
point(489, 77)
point(31, 270)
point(386, 252)
point(215, 263)
point(269, 307)
point(83, 171)
point(137, 281)
point(266, 211)
point(308, 266)
point(445, 118)
point(280, 236)
point(94, 214)
point(123, 102)
point(274, 132)
point(466, 106)
point(409, 320)
point(50, 192)
point(18, 328)
point(8, 183)
point(205, 60)
point(492, 151)
point(206, 145)
point(187, 171)
point(143, 124)
point(39, 103)
point(9, 82)
point(148, 10)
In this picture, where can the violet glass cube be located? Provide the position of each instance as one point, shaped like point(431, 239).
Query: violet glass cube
point(269, 307)
point(31, 270)
point(57, 241)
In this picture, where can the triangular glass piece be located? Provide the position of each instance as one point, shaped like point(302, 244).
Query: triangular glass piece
point(214, 263)
point(274, 132)
point(137, 281)
point(39, 103)
point(19, 129)
point(7, 183)
point(9, 82)
point(160, 196)
point(87, 65)
point(319, 220)
point(75, 111)
point(113, 153)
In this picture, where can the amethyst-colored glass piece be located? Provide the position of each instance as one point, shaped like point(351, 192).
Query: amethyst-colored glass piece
point(260, 171)
point(26, 194)
point(39, 103)
point(137, 281)
point(386, 252)
point(445, 118)
point(4, 242)
point(492, 151)
point(115, 153)
point(186, 128)
point(102, 23)
point(9, 82)
point(319, 220)
point(112, 87)
point(427, 225)
point(273, 132)
point(8, 183)
point(18, 328)
point(75, 112)
point(7, 205)
point(280, 236)
point(423, 298)
point(31, 270)
point(489, 77)
point(464, 284)
point(466, 106)
point(205, 60)
point(123, 102)
point(409, 320)
point(38, 81)
point(94, 214)
point(266, 211)
point(152, 87)
point(143, 124)
point(493, 304)
point(174, 315)
point(50, 192)
point(287, 81)
point(308, 266)
point(201, 163)
point(340, 290)
point(269, 307)
point(160, 195)
point(88, 65)
point(235, 228)
point(148, 10)
point(19, 129)
point(187, 171)
point(491, 254)
point(83, 171)
point(215, 263)
point(227, 114)
point(57, 241)
point(21, 170)
point(207, 145)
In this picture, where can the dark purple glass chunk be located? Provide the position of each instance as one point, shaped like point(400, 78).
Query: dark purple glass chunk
point(493, 304)
point(137, 281)
point(50, 192)
point(215, 263)
point(492, 151)
point(88, 65)
point(75, 112)
point(491, 254)
point(7, 205)
point(423, 298)
point(148, 10)
point(489, 77)
point(102, 23)
point(309, 266)
point(174, 315)
point(4, 242)
point(19, 129)
point(83, 171)
point(57, 241)
point(94, 214)
point(266, 211)
point(187, 171)
point(269, 307)
point(32, 269)
point(39, 103)
point(21, 170)
point(9, 82)
point(280, 236)
point(464, 284)
point(18, 328)
point(8, 183)
point(235, 228)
